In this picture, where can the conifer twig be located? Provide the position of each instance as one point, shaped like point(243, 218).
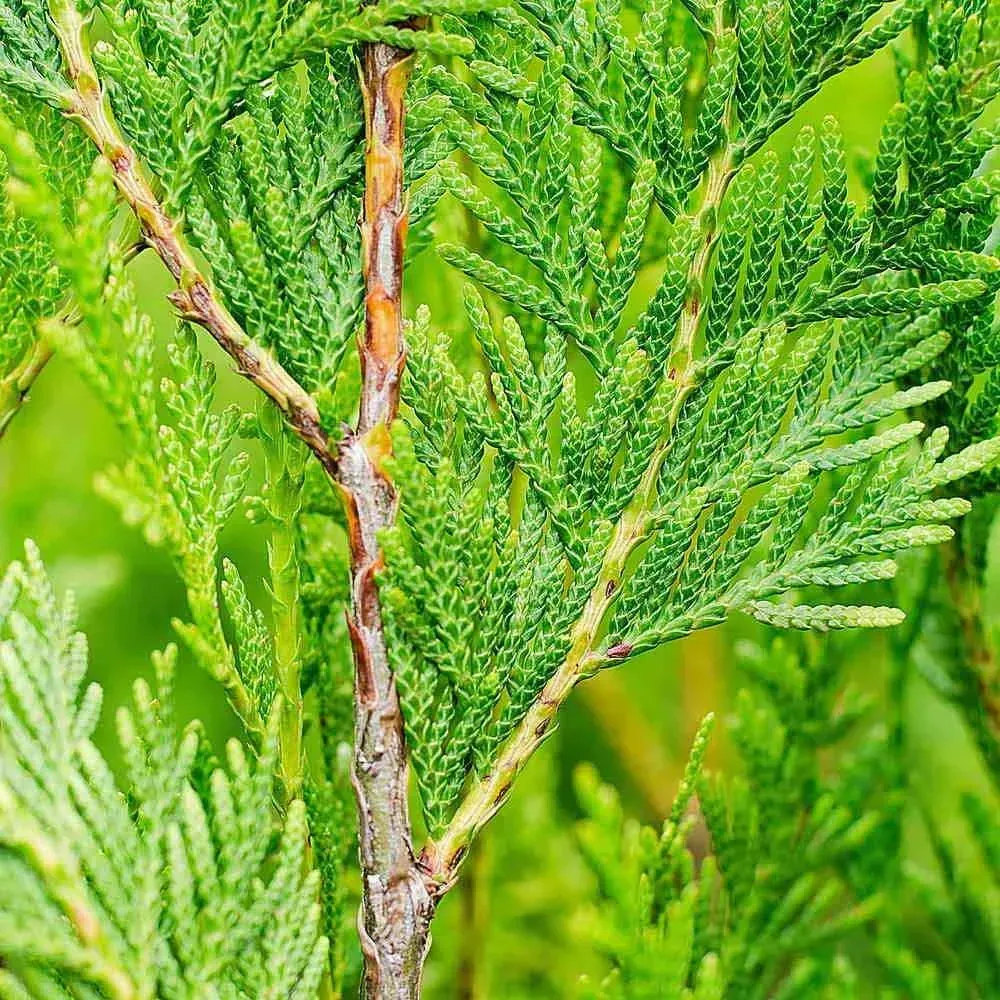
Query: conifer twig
point(486, 796)
point(16, 385)
point(397, 905)
point(444, 856)
point(194, 296)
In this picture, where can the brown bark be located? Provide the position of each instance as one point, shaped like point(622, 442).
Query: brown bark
point(397, 905)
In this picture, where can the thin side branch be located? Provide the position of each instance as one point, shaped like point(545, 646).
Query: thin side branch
point(16, 385)
point(194, 296)
point(444, 857)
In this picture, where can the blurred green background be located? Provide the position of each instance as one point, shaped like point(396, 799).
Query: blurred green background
point(635, 725)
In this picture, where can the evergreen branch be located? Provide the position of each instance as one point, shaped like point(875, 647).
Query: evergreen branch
point(396, 905)
point(199, 304)
point(620, 469)
point(396, 911)
point(708, 413)
point(194, 297)
point(444, 855)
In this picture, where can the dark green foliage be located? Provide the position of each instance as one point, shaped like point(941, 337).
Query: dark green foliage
point(275, 211)
point(747, 440)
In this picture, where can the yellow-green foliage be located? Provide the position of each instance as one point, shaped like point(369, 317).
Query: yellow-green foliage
point(692, 362)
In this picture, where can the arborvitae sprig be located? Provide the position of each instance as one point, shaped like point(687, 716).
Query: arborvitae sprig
point(275, 210)
point(276, 221)
point(180, 484)
point(181, 880)
point(695, 480)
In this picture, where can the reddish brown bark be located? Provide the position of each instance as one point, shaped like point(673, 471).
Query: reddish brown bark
point(397, 905)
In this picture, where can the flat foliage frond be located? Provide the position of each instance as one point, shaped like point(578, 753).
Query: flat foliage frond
point(744, 440)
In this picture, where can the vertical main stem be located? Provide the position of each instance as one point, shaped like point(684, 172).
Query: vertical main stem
point(397, 902)
point(396, 905)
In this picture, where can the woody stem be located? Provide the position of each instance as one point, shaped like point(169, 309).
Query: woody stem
point(397, 905)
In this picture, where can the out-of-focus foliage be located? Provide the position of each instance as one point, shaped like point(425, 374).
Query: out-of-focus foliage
point(170, 885)
point(767, 911)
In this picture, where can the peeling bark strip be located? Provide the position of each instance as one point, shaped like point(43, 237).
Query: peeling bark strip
point(396, 906)
point(384, 77)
